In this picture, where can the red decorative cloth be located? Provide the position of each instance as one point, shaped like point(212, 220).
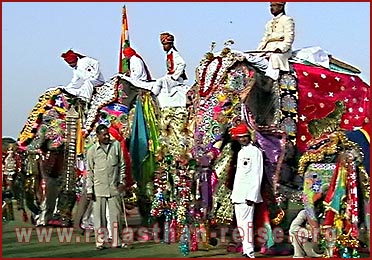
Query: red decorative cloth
point(114, 130)
point(319, 89)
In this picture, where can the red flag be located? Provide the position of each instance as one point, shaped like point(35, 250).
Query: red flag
point(124, 42)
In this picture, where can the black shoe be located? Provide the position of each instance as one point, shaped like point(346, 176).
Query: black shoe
point(250, 255)
point(124, 245)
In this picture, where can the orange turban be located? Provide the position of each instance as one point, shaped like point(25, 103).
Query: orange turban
point(278, 3)
point(239, 130)
point(70, 56)
point(166, 38)
point(129, 52)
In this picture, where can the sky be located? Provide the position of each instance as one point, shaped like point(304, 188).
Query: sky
point(35, 34)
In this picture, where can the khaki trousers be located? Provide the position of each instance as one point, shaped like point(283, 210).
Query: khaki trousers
point(113, 204)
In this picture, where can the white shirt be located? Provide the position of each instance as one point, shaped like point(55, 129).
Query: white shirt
point(169, 89)
point(175, 63)
point(137, 69)
point(86, 69)
point(248, 177)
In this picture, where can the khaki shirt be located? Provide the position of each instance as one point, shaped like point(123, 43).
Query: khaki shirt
point(105, 170)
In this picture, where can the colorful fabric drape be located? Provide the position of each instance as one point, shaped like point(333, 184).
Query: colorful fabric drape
point(335, 194)
point(316, 177)
point(114, 130)
point(138, 147)
point(124, 42)
point(319, 89)
point(149, 164)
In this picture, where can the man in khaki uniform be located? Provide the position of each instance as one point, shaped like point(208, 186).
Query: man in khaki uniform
point(105, 182)
point(277, 40)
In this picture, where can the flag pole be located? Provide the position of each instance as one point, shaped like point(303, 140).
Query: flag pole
point(124, 41)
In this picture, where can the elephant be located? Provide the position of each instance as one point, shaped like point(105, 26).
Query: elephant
point(58, 130)
point(335, 176)
point(12, 184)
point(229, 90)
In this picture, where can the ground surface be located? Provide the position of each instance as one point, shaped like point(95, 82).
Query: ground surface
point(83, 246)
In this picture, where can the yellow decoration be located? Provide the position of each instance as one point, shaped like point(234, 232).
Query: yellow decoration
point(221, 97)
point(279, 217)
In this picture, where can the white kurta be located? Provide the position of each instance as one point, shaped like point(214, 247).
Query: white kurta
point(170, 89)
point(247, 186)
point(86, 76)
point(248, 177)
point(279, 34)
point(137, 69)
point(138, 74)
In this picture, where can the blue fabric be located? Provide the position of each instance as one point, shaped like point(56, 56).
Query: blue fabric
point(138, 146)
point(359, 138)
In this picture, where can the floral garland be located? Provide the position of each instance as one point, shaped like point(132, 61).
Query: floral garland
point(212, 70)
point(45, 102)
point(105, 94)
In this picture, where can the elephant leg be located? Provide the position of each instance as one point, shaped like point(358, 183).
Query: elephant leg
point(66, 202)
point(67, 195)
point(82, 208)
point(48, 205)
point(29, 198)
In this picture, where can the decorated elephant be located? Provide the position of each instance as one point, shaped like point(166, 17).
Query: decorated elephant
point(12, 179)
point(58, 131)
point(229, 89)
point(336, 176)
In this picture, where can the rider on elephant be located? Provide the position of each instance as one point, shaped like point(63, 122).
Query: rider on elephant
point(139, 74)
point(167, 85)
point(86, 75)
point(277, 40)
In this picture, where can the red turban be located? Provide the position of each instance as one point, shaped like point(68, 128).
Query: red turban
point(239, 130)
point(70, 56)
point(166, 38)
point(129, 52)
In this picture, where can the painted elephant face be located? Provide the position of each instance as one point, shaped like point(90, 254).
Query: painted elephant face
point(51, 132)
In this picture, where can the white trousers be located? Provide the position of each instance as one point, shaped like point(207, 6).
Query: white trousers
point(278, 62)
point(244, 220)
point(84, 91)
point(271, 72)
